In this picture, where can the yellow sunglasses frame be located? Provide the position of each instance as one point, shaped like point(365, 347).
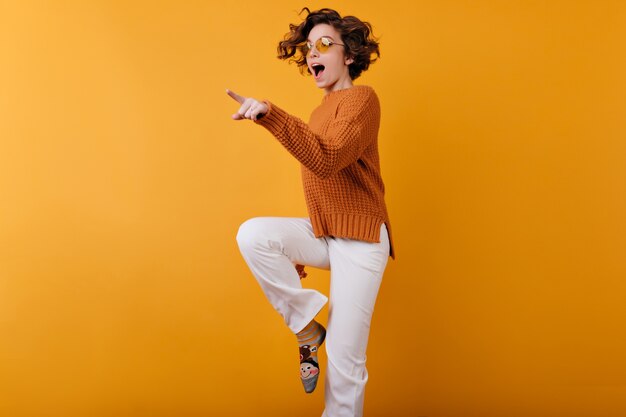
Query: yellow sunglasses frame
point(322, 45)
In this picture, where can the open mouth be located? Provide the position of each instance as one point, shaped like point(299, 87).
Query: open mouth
point(317, 70)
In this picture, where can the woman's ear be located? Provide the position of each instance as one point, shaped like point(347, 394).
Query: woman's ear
point(349, 61)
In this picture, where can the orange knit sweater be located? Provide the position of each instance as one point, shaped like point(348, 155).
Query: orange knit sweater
point(338, 150)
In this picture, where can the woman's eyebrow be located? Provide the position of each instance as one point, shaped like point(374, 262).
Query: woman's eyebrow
point(323, 36)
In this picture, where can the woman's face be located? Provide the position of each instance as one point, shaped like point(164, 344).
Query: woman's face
point(335, 74)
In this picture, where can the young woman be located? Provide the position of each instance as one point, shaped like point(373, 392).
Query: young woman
point(348, 229)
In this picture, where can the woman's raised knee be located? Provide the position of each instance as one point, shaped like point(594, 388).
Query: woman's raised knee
point(251, 231)
point(247, 232)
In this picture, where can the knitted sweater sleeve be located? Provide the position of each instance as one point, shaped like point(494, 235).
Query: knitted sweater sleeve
point(339, 146)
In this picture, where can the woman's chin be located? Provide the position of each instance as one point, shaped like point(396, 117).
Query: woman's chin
point(323, 84)
point(322, 81)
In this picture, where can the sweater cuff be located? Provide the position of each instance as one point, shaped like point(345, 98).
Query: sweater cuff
point(274, 120)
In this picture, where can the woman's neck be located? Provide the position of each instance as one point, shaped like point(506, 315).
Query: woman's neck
point(339, 85)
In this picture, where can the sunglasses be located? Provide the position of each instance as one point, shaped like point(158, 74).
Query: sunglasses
point(322, 45)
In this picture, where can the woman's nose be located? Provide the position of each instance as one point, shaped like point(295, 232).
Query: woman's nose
point(313, 52)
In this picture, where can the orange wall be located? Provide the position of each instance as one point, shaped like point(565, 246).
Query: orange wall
point(123, 181)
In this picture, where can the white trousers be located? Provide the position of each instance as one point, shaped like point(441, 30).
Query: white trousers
point(271, 246)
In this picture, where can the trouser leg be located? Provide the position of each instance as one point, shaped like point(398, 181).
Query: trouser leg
point(356, 273)
point(271, 246)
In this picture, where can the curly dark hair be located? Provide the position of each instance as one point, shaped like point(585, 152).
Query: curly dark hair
point(356, 35)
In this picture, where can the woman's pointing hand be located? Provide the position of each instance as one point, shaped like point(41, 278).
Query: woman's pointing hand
point(250, 108)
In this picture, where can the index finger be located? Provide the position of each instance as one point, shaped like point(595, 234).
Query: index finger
point(235, 96)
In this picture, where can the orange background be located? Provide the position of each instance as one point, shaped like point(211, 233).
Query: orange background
point(123, 182)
